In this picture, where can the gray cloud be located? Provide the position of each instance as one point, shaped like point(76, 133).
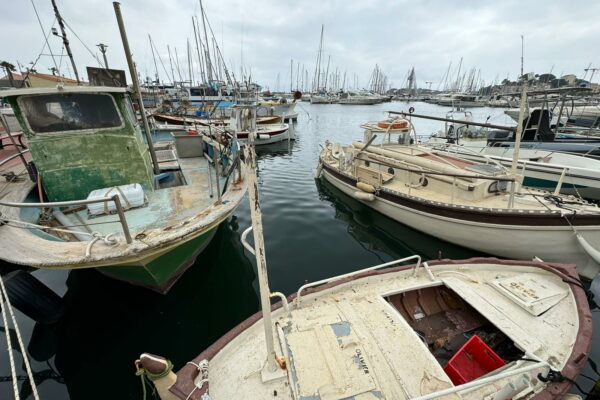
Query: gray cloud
point(358, 34)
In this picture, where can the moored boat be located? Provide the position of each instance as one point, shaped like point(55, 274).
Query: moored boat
point(472, 329)
point(101, 197)
point(477, 204)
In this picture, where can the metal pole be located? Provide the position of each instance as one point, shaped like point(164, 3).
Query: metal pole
point(515, 160)
point(61, 24)
point(136, 85)
point(216, 165)
point(14, 142)
point(103, 48)
point(259, 247)
point(560, 110)
point(122, 218)
point(404, 114)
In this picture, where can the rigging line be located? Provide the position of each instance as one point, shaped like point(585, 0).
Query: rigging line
point(161, 61)
point(45, 37)
point(41, 52)
point(84, 45)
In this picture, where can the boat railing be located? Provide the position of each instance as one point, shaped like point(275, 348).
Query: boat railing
point(484, 381)
point(456, 147)
point(13, 156)
point(350, 274)
point(115, 199)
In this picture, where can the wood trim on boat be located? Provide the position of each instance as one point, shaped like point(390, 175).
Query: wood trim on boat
point(484, 216)
point(184, 386)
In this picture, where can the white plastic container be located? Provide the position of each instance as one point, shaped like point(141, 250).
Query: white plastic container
point(131, 196)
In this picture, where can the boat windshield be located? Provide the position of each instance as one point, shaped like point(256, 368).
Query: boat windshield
point(70, 112)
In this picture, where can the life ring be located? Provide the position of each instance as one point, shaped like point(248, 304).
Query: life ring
point(395, 124)
point(411, 110)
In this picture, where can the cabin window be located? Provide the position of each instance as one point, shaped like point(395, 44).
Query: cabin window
point(70, 112)
point(131, 111)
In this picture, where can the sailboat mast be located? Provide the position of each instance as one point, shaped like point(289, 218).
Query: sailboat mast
point(316, 81)
point(206, 50)
point(171, 64)
point(291, 75)
point(198, 47)
point(61, 24)
point(327, 72)
point(154, 58)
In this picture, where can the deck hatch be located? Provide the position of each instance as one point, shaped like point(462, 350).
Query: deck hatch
point(536, 294)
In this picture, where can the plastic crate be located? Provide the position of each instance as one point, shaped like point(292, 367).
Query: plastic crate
point(473, 360)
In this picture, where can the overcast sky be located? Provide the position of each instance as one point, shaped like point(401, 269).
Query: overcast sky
point(560, 36)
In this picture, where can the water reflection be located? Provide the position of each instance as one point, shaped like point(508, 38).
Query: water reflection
point(109, 323)
point(381, 235)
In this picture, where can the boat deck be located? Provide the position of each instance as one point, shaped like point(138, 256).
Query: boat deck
point(440, 188)
point(348, 341)
point(173, 204)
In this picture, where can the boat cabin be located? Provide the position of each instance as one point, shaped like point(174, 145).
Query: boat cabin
point(82, 139)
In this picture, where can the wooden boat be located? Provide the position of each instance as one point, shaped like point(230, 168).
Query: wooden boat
point(189, 120)
point(351, 336)
point(476, 204)
point(88, 151)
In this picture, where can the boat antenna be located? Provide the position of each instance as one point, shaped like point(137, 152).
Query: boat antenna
point(518, 133)
point(103, 48)
point(136, 85)
point(61, 24)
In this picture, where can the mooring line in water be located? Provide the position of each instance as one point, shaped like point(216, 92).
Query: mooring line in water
point(7, 306)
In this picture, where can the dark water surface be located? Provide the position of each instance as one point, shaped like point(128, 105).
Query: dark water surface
point(312, 231)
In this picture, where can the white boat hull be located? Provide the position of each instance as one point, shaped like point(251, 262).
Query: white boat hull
point(553, 244)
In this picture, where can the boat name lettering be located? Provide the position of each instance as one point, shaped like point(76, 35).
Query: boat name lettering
point(360, 361)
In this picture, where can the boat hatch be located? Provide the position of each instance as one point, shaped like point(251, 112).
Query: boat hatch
point(330, 362)
point(535, 295)
point(445, 323)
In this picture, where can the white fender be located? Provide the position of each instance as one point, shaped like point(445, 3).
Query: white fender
point(365, 187)
point(318, 171)
point(364, 196)
point(591, 251)
point(264, 136)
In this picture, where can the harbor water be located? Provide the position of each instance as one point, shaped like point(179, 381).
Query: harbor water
point(312, 231)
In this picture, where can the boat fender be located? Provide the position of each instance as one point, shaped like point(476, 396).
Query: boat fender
point(359, 195)
point(264, 136)
point(595, 289)
point(365, 187)
point(317, 173)
point(160, 371)
point(591, 251)
point(33, 298)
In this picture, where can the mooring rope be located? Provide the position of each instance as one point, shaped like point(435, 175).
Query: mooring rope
point(7, 305)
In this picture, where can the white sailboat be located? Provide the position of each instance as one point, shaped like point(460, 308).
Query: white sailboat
point(476, 204)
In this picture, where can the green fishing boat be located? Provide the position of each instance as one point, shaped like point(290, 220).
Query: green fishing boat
point(91, 192)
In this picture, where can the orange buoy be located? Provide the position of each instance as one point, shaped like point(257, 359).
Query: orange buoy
point(395, 124)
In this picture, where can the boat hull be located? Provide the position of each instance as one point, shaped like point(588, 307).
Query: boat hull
point(160, 271)
point(552, 242)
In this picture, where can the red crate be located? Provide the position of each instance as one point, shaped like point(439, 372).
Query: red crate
point(473, 360)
